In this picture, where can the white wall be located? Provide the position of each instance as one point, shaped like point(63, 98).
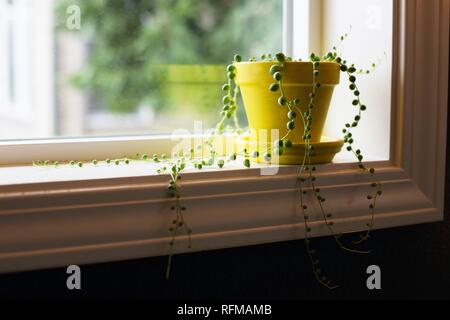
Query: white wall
point(369, 41)
point(31, 112)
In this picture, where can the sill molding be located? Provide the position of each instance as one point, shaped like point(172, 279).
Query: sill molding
point(62, 223)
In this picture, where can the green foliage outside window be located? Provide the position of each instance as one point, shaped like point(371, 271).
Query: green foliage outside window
point(131, 43)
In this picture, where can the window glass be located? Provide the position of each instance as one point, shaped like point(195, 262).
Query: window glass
point(118, 67)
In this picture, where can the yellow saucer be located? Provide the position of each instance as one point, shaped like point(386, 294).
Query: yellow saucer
point(325, 150)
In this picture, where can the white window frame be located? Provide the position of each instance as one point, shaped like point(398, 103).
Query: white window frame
point(51, 218)
point(33, 108)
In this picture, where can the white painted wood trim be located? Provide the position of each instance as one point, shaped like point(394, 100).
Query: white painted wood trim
point(55, 224)
point(288, 26)
point(420, 93)
point(307, 23)
point(51, 224)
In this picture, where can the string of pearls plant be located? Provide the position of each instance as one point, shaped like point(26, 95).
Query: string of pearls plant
point(306, 169)
point(175, 165)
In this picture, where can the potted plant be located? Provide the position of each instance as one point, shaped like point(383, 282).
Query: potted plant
point(293, 97)
point(289, 96)
point(259, 83)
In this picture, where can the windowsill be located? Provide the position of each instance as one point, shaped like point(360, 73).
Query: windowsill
point(97, 214)
point(26, 175)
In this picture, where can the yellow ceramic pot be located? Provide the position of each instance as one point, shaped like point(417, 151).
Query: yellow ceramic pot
point(261, 105)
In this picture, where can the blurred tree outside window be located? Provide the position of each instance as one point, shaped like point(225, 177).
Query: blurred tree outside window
point(162, 61)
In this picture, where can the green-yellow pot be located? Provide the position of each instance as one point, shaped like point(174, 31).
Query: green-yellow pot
point(192, 88)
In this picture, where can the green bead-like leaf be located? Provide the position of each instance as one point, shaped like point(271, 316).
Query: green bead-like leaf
point(274, 87)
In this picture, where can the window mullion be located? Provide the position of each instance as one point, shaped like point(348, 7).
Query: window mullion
point(306, 28)
point(288, 27)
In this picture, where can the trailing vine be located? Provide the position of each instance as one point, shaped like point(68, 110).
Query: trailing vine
point(306, 179)
point(306, 170)
point(348, 135)
point(174, 189)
